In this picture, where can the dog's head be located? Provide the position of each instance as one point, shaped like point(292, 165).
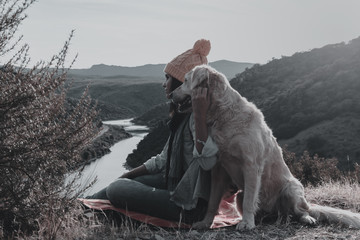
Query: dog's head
point(200, 76)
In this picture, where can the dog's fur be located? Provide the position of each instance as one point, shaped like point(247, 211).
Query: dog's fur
point(250, 157)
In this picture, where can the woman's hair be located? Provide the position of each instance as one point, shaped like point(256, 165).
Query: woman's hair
point(174, 84)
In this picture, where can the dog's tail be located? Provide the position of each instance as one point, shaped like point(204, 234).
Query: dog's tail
point(335, 216)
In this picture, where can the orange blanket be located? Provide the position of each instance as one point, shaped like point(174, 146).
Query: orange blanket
point(227, 214)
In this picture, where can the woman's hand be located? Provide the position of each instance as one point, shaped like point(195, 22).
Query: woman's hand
point(136, 172)
point(200, 101)
point(126, 175)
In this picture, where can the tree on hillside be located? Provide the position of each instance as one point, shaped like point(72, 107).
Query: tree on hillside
point(41, 137)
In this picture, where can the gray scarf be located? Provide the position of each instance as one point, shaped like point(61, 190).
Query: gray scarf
point(175, 154)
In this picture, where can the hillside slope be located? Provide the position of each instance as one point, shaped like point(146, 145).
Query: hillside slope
point(311, 100)
point(133, 94)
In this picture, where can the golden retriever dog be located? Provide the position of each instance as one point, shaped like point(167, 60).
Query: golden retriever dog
point(250, 157)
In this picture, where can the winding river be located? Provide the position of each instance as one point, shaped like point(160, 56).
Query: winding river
point(112, 165)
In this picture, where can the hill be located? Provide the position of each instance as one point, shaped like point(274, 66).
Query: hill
point(310, 100)
point(134, 89)
point(135, 95)
point(149, 70)
point(230, 69)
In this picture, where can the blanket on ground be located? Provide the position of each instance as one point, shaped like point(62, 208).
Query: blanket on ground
point(227, 214)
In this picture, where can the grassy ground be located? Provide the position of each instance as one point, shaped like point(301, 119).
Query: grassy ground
point(342, 195)
point(288, 231)
point(89, 225)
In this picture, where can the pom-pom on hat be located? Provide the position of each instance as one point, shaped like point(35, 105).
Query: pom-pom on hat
point(186, 61)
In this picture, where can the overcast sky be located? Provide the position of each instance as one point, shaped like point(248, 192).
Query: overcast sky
point(138, 32)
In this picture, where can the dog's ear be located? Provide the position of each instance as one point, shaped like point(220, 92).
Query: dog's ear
point(200, 76)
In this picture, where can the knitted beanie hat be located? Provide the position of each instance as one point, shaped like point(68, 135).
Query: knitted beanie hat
point(186, 61)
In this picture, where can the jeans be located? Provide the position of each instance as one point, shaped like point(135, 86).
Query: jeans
point(148, 194)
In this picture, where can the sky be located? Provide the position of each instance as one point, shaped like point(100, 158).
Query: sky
point(139, 32)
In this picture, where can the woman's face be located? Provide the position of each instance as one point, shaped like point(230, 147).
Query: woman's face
point(167, 85)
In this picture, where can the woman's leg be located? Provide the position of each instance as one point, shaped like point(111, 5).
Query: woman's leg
point(152, 180)
point(99, 195)
point(138, 197)
point(148, 194)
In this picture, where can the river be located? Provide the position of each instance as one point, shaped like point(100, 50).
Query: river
point(111, 166)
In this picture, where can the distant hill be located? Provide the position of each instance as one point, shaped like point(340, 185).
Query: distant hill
point(311, 100)
point(149, 70)
point(135, 95)
point(229, 68)
point(134, 89)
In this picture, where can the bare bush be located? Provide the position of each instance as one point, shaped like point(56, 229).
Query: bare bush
point(40, 137)
point(315, 170)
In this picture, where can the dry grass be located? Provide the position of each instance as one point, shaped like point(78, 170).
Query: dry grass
point(344, 195)
point(91, 225)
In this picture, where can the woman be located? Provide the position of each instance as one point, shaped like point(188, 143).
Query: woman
point(175, 184)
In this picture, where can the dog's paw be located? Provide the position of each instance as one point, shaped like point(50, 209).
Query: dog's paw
point(201, 225)
point(308, 220)
point(244, 225)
